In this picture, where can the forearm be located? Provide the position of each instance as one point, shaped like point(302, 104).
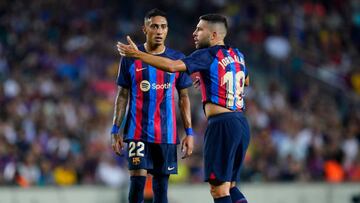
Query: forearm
point(184, 105)
point(120, 106)
point(161, 63)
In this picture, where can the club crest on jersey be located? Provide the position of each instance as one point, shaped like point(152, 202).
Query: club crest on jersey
point(227, 60)
point(136, 160)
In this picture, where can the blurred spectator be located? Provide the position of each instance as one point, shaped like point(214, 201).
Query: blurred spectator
point(110, 173)
point(57, 83)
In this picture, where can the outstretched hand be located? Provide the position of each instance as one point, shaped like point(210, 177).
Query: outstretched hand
point(128, 50)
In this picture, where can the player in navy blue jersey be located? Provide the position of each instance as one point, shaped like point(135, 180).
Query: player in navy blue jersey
point(150, 127)
point(223, 76)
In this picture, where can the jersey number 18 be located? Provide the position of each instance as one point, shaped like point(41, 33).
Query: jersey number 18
point(228, 79)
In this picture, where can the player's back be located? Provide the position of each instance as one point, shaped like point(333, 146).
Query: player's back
point(223, 72)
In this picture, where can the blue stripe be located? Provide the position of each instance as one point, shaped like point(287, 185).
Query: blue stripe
point(244, 69)
point(152, 105)
point(169, 111)
point(215, 83)
point(132, 125)
point(233, 69)
point(241, 56)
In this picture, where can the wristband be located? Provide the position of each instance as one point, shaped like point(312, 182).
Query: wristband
point(115, 129)
point(189, 131)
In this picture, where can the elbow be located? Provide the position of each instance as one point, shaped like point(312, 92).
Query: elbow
point(174, 66)
point(181, 103)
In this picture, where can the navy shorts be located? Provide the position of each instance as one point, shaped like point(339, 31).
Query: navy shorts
point(155, 158)
point(226, 141)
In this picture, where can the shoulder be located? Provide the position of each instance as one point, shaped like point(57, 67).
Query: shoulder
point(237, 51)
point(174, 54)
point(203, 51)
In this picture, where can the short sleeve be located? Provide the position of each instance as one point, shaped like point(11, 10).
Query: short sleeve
point(246, 72)
point(198, 61)
point(123, 78)
point(184, 81)
point(242, 62)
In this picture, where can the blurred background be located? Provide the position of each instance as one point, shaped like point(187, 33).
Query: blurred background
point(58, 67)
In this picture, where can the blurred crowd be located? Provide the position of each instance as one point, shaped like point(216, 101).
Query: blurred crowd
point(58, 66)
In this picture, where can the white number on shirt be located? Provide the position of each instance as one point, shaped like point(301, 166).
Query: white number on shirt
point(228, 79)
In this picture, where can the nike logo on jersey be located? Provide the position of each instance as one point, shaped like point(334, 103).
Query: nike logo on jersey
point(170, 168)
point(140, 69)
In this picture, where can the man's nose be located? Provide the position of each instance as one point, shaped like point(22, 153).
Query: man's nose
point(159, 31)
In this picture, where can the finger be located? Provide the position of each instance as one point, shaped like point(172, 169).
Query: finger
point(185, 156)
point(131, 42)
point(122, 145)
point(119, 44)
point(121, 50)
point(116, 150)
point(186, 151)
point(189, 152)
point(183, 146)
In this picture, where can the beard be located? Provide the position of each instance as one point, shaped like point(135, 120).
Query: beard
point(202, 44)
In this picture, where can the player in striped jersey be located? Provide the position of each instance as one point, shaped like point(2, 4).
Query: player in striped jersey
point(150, 128)
point(224, 75)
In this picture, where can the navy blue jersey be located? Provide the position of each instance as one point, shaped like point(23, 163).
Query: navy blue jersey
point(223, 72)
point(151, 116)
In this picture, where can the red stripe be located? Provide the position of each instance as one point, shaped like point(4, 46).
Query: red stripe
point(221, 73)
point(159, 98)
point(203, 89)
point(139, 100)
point(173, 106)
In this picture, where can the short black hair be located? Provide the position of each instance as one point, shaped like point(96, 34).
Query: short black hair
point(215, 18)
point(154, 12)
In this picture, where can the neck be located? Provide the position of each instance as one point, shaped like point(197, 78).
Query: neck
point(218, 42)
point(157, 49)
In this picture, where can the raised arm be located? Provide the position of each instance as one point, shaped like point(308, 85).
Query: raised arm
point(162, 63)
point(187, 143)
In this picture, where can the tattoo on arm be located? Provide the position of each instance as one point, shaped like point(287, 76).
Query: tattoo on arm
point(120, 105)
point(184, 105)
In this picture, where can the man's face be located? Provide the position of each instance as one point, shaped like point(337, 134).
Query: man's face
point(156, 29)
point(202, 35)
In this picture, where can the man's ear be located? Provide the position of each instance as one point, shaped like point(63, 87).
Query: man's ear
point(144, 29)
point(213, 35)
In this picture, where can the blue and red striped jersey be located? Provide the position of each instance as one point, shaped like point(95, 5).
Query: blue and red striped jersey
point(222, 71)
point(151, 114)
